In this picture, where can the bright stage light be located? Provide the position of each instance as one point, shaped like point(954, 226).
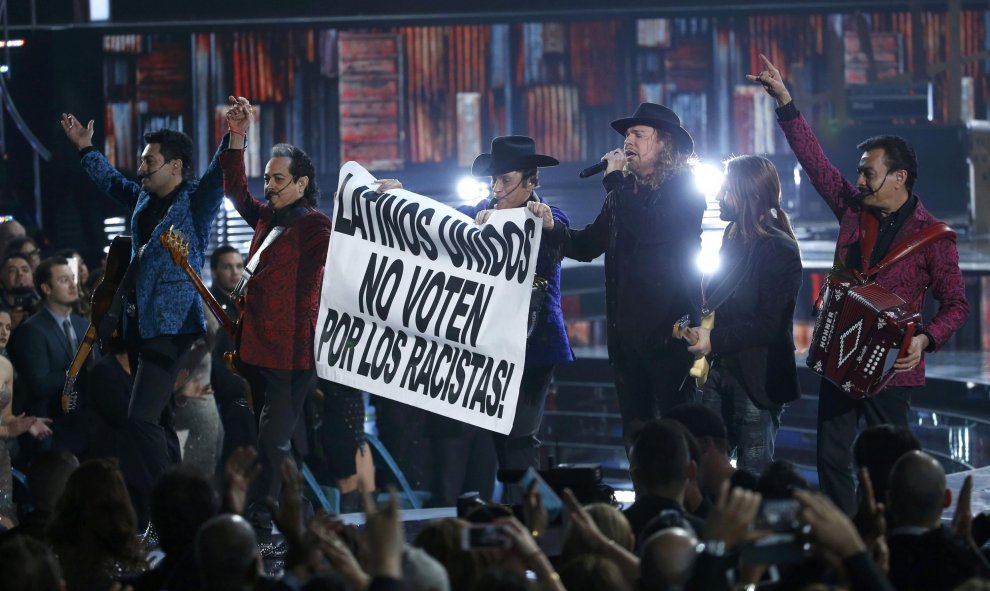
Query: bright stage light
point(707, 261)
point(471, 189)
point(708, 178)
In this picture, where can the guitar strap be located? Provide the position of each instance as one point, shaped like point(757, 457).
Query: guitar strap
point(253, 263)
point(286, 217)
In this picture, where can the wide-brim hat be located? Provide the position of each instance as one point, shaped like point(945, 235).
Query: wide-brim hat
point(511, 152)
point(657, 117)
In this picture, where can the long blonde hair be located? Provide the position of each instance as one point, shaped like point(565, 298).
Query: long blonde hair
point(753, 181)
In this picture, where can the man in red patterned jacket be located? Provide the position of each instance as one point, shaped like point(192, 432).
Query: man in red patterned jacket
point(886, 174)
point(281, 287)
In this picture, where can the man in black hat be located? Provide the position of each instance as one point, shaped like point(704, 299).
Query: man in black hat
point(649, 229)
point(513, 167)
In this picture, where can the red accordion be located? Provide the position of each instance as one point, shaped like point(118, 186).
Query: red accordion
point(858, 325)
point(860, 322)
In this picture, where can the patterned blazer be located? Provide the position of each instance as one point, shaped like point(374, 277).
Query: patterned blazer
point(935, 267)
point(167, 302)
point(282, 299)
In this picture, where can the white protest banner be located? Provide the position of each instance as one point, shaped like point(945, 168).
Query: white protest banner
point(422, 306)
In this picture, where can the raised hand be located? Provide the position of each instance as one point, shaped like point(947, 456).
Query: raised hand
point(383, 532)
point(240, 113)
point(962, 519)
point(831, 530)
point(80, 135)
point(238, 473)
point(388, 185)
point(543, 211)
point(732, 516)
point(482, 216)
point(771, 81)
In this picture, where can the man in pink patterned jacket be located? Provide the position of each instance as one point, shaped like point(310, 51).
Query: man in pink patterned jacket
point(886, 173)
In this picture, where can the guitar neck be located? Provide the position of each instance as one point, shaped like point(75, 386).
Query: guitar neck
point(211, 302)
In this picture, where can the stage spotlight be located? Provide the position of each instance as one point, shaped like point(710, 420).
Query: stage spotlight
point(708, 178)
point(471, 189)
point(707, 261)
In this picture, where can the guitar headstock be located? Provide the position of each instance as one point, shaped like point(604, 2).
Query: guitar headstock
point(177, 245)
point(680, 329)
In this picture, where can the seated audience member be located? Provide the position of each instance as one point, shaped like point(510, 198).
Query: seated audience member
point(42, 349)
point(923, 553)
point(660, 466)
point(708, 429)
point(17, 288)
point(94, 529)
point(28, 565)
point(441, 539)
point(226, 551)
point(181, 501)
point(668, 559)
point(877, 448)
point(46, 480)
point(25, 245)
point(83, 305)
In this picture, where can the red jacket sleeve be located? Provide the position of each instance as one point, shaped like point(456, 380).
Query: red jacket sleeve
point(949, 291)
point(235, 186)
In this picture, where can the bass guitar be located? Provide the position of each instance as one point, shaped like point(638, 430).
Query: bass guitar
point(118, 260)
point(699, 370)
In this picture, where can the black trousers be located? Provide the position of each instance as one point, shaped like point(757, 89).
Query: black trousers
point(650, 381)
point(279, 398)
point(520, 449)
point(838, 425)
point(151, 416)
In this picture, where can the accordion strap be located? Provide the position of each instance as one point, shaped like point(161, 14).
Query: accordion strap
point(918, 241)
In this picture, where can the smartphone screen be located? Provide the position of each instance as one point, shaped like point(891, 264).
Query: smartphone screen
point(551, 500)
point(484, 535)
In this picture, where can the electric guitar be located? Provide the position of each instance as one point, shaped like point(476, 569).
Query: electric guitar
point(178, 247)
point(699, 370)
point(118, 260)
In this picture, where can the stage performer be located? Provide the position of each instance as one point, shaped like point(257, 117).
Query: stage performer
point(753, 373)
point(281, 286)
point(885, 176)
point(649, 229)
point(165, 314)
point(513, 167)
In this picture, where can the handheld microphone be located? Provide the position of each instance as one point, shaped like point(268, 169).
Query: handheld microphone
point(593, 170)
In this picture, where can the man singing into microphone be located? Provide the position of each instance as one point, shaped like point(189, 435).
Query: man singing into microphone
point(281, 288)
point(165, 315)
point(649, 229)
point(885, 176)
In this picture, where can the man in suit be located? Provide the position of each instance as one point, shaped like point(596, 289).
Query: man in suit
point(281, 295)
point(165, 313)
point(42, 349)
point(17, 283)
point(226, 266)
point(753, 295)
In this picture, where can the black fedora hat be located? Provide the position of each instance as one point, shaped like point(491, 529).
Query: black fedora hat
point(511, 152)
point(658, 117)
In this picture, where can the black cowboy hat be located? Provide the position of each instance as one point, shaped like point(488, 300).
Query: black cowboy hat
point(657, 117)
point(511, 152)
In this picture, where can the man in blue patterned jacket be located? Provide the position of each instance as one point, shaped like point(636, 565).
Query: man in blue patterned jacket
point(167, 312)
